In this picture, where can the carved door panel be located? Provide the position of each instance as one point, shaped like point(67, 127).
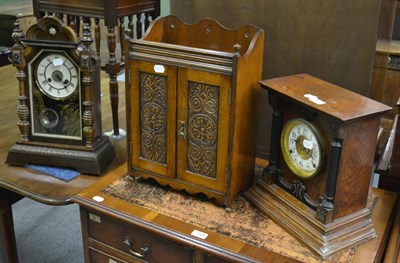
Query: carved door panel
point(202, 128)
point(153, 105)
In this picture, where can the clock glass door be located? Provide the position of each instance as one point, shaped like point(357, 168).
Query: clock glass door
point(153, 107)
point(202, 127)
point(55, 93)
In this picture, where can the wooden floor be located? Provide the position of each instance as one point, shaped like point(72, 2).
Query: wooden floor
point(14, 7)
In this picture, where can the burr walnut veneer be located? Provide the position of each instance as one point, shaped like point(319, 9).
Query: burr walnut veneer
point(192, 101)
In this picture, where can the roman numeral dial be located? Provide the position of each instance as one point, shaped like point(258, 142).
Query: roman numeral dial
point(57, 76)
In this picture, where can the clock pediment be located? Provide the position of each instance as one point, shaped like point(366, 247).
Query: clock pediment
point(51, 29)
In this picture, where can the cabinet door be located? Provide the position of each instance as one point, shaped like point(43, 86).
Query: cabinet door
point(153, 117)
point(203, 127)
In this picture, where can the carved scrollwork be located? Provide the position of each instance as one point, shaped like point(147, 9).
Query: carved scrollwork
point(203, 130)
point(153, 121)
point(153, 146)
point(85, 62)
point(202, 159)
point(203, 105)
point(298, 190)
point(153, 117)
point(16, 57)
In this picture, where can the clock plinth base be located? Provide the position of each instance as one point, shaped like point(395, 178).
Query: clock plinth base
point(299, 220)
point(87, 161)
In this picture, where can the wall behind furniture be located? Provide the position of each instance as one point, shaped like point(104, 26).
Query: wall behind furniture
point(330, 39)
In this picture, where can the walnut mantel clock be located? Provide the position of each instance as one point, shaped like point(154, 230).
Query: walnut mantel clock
point(59, 111)
point(322, 150)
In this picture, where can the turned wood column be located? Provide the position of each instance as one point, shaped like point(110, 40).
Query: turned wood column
point(87, 81)
point(18, 61)
point(112, 68)
point(122, 38)
point(97, 35)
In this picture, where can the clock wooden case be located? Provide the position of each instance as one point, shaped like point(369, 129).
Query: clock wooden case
point(192, 100)
point(59, 93)
point(323, 144)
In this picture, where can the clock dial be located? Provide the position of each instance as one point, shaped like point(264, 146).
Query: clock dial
point(301, 148)
point(57, 76)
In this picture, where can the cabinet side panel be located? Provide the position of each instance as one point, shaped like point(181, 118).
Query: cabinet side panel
point(356, 164)
point(246, 98)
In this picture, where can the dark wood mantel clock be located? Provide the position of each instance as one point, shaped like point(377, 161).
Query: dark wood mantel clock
point(317, 182)
point(59, 93)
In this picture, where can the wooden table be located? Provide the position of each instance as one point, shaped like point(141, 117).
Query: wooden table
point(18, 182)
point(166, 229)
point(216, 246)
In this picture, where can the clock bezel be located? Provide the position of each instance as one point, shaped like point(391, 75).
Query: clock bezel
point(288, 158)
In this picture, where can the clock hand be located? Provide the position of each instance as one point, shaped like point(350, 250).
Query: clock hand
point(58, 77)
point(65, 83)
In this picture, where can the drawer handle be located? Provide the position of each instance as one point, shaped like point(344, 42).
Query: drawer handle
point(143, 251)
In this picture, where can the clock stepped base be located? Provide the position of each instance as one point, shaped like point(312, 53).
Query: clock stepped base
point(298, 219)
point(86, 161)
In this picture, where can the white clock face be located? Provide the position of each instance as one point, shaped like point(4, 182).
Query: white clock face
point(57, 76)
point(301, 148)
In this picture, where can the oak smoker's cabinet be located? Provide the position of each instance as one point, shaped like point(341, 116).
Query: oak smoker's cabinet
point(192, 106)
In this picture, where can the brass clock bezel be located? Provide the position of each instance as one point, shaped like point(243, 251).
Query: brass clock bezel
point(290, 162)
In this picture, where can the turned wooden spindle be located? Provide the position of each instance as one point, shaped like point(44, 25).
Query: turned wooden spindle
point(87, 81)
point(131, 26)
point(71, 20)
point(139, 31)
point(146, 22)
point(60, 16)
point(19, 62)
point(112, 68)
point(97, 35)
point(122, 37)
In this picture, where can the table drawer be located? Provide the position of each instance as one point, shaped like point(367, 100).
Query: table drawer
point(135, 242)
point(97, 256)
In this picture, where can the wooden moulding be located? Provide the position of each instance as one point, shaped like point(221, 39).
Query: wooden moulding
point(295, 217)
point(85, 160)
point(109, 10)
